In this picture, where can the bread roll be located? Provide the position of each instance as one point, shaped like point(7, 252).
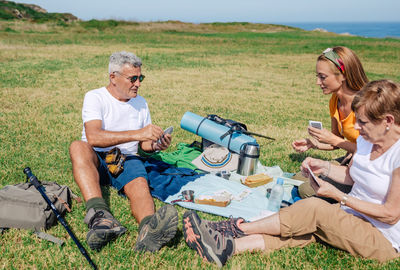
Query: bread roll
point(212, 202)
point(256, 180)
point(216, 200)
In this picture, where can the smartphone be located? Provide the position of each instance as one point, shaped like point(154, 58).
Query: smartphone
point(312, 175)
point(315, 124)
point(169, 130)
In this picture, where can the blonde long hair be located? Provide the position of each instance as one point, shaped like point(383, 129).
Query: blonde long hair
point(353, 70)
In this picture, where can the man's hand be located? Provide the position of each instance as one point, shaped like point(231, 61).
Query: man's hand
point(151, 133)
point(98, 137)
point(165, 142)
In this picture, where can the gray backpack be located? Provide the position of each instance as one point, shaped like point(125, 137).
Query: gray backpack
point(23, 207)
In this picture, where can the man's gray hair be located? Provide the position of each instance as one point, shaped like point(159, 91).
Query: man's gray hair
point(119, 59)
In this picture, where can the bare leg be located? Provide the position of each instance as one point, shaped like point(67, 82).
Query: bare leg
point(270, 225)
point(250, 243)
point(140, 199)
point(255, 241)
point(84, 168)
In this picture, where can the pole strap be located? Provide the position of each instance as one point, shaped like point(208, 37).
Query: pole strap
point(49, 237)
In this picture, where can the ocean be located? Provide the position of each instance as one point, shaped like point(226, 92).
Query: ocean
point(364, 29)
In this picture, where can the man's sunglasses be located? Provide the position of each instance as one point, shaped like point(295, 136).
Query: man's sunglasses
point(132, 78)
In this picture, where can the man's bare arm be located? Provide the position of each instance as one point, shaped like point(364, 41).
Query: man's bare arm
point(98, 137)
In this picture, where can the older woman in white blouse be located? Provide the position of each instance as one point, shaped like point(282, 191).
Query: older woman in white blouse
point(365, 222)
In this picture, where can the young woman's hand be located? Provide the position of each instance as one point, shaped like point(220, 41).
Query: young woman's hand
point(323, 135)
point(302, 145)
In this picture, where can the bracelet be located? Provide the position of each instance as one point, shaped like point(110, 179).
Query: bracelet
point(328, 171)
point(344, 200)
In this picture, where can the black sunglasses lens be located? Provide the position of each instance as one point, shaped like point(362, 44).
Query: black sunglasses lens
point(134, 78)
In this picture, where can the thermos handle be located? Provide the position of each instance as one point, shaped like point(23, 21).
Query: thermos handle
point(243, 148)
point(243, 151)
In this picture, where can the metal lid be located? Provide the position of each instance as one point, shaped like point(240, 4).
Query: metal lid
point(252, 149)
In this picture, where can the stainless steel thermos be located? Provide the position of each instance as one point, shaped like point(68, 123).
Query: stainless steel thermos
point(248, 158)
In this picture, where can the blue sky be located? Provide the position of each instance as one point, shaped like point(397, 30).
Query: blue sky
point(258, 11)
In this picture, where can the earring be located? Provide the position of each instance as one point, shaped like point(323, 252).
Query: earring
point(387, 128)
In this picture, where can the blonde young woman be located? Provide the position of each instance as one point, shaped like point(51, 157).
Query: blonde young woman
point(340, 74)
point(365, 223)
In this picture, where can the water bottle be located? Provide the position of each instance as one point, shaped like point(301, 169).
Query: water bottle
point(275, 199)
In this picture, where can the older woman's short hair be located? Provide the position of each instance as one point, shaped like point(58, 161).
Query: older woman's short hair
point(119, 59)
point(378, 99)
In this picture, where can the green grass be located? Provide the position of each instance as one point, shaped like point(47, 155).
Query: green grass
point(261, 75)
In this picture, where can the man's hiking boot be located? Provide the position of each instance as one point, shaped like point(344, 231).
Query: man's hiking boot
point(103, 228)
point(210, 244)
point(158, 230)
point(228, 227)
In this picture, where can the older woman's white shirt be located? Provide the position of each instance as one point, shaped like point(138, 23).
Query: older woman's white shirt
point(372, 181)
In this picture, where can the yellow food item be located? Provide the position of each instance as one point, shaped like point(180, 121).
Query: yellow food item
point(220, 198)
point(257, 180)
point(212, 202)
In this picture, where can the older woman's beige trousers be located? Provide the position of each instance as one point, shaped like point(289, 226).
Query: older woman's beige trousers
point(310, 219)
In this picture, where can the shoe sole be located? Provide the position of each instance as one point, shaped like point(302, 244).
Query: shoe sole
point(194, 238)
point(97, 239)
point(161, 229)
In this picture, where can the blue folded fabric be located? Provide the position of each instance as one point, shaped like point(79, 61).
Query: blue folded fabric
point(165, 179)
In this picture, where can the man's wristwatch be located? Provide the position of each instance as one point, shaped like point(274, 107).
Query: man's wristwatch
point(344, 200)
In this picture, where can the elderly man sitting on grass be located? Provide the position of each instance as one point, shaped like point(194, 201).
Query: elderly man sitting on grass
point(116, 116)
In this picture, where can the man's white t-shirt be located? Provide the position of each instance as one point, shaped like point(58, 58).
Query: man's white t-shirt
point(372, 179)
point(115, 115)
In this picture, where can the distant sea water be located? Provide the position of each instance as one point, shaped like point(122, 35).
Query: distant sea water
point(364, 29)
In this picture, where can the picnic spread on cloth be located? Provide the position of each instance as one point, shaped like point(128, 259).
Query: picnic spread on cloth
point(219, 189)
point(252, 205)
point(167, 183)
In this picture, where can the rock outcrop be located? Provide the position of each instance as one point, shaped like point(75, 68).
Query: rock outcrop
point(14, 11)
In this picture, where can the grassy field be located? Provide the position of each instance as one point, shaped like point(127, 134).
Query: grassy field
point(261, 75)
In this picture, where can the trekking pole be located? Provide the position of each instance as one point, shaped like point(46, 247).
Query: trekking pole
point(259, 135)
point(237, 128)
point(32, 178)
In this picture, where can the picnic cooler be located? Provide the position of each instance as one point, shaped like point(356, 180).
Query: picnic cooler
point(213, 131)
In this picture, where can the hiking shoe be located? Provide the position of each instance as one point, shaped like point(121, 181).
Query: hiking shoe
point(158, 230)
point(103, 228)
point(210, 244)
point(228, 227)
